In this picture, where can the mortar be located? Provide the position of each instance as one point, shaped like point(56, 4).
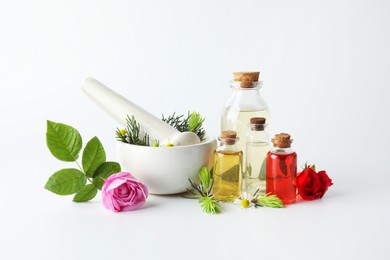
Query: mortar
point(164, 170)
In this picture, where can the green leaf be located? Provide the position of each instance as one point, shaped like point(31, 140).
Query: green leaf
point(85, 194)
point(63, 141)
point(66, 182)
point(93, 156)
point(104, 171)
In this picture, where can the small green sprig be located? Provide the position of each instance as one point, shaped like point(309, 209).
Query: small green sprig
point(131, 134)
point(193, 123)
point(271, 201)
point(203, 191)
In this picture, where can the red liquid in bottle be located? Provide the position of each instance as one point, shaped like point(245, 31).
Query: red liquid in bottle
point(281, 176)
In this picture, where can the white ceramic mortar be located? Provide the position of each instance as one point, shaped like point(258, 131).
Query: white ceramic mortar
point(165, 170)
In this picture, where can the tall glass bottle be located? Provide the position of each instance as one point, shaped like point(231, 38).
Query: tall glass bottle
point(244, 103)
point(227, 168)
point(282, 169)
point(257, 147)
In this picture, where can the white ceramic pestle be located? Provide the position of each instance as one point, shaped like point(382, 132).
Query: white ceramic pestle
point(119, 107)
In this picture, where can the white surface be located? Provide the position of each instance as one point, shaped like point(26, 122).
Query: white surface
point(325, 70)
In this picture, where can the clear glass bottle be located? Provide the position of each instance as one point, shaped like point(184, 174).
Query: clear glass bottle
point(244, 103)
point(257, 147)
point(227, 168)
point(282, 169)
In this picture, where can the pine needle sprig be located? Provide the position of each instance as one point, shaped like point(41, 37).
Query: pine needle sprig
point(132, 132)
point(210, 205)
point(121, 135)
point(203, 191)
point(269, 200)
point(178, 122)
point(193, 123)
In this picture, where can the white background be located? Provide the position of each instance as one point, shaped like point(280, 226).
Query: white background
point(325, 67)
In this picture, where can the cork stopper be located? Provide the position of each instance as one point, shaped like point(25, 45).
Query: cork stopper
point(228, 137)
point(282, 140)
point(246, 78)
point(257, 121)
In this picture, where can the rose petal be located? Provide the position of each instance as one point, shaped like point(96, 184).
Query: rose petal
point(308, 184)
point(122, 192)
point(325, 182)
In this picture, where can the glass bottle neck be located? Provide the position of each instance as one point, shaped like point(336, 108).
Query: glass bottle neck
point(245, 98)
point(278, 150)
point(257, 127)
point(224, 147)
point(237, 85)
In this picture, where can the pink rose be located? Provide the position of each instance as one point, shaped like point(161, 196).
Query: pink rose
point(123, 192)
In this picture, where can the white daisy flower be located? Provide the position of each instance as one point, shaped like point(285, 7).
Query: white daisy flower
point(245, 200)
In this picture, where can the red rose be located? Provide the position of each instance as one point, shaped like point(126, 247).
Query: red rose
point(325, 181)
point(312, 185)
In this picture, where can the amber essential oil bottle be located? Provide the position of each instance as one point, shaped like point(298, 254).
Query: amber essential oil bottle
point(227, 168)
point(282, 169)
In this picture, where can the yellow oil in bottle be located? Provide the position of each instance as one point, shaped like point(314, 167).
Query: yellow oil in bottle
point(227, 175)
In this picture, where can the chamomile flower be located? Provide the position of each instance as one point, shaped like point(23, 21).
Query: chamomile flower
point(245, 200)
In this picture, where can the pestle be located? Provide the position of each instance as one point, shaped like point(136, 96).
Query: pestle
point(119, 107)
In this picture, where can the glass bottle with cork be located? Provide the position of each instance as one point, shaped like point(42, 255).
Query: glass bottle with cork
point(257, 147)
point(282, 169)
point(244, 103)
point(227, 168)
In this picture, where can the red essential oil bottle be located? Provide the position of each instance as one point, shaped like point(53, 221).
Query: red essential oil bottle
point(282, 169)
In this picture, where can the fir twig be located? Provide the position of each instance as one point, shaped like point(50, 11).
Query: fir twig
point(193, 122)
point(271, 201)
point(131, 134)
point(203, 192)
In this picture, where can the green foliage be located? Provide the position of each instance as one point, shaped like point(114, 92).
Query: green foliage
point(203, 191)
point(93, 156)
point(131, 134)
point(178, 122)
point(104, 171)
point(66, 182)
point(271, 201)
point(63, 141)
point(87, 193)
point(205, 178)
point(193, 123)
point(210, 205)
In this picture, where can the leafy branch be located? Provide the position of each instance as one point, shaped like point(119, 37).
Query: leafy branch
point(65, 143)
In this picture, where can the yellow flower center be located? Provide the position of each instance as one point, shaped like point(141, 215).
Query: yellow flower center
point(245, 203)
point(123, 131)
